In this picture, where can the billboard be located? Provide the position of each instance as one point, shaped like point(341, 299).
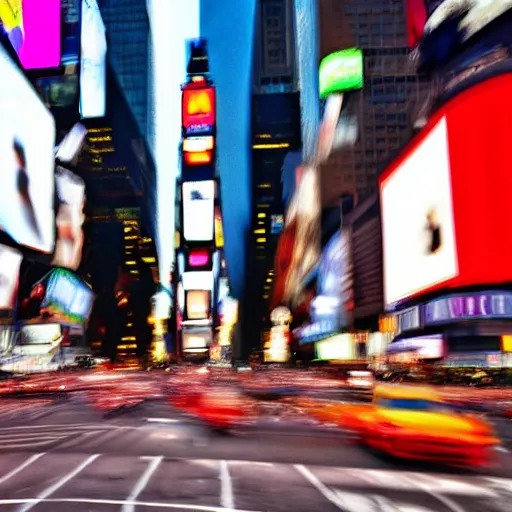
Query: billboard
point(196, 339)
point(69, 220)
point(33, 28)
point(198, 211)
point(27, 140)
point(67, 298)
point(93, 66)
point(341, 71)
point(198, 109)
point(444, 201)
point(197, 304)
point(10, 261)
point(417, 220)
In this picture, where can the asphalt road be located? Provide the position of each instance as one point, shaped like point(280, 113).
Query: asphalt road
point(62, 456)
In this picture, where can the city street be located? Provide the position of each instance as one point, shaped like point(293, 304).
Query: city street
point(151, 457)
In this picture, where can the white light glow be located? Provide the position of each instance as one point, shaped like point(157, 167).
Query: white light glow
point(171, 23)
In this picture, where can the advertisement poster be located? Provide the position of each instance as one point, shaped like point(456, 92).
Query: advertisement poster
point(197, 304)
point(93, 65)
point(10, 261)
point(37, 43)
point(341, 71)
point(419, 245)
point(27, 141)
point(198, 110)
point(70, 217)
point(67, 298)
point(198, 211)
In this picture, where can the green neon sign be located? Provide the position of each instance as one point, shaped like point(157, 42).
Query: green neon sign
point(341, 71)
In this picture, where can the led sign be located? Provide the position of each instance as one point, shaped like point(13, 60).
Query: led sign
point(465, 307)
point(198, 110)
point(341, 71)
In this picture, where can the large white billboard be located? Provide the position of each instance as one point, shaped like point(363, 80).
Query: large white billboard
point(27, 141)
point(93, 46)
point(70, 217)
point(10, 261)
point(419, 245)
point(198, 211)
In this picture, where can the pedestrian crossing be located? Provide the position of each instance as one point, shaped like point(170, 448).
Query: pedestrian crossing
point(64, 481)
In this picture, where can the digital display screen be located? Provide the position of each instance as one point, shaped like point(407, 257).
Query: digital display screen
point(198, 211)
point(198, 110)
point(417, 220)
point(10, 261)
point(197, 304)
point(33, 28)
point(196, 339)
point(41, 334)
point(459, 172)
point(68, 298)
point(70, 217)
point(93, 62)
point(27, 142)
point(341, 71)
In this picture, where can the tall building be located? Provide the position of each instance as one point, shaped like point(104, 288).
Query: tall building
point(276, 131)
point(127, 26)
point(393, 93)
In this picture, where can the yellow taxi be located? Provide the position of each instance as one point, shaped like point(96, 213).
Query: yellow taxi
point(414, 422)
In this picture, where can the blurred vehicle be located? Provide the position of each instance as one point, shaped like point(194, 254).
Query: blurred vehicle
point(84, 362)
point(413, 422)
point(363, 380)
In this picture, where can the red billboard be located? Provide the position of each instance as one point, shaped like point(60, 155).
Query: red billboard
point(198, 109)
point(445, 202)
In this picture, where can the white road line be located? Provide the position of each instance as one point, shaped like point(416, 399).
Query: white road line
point(57, 485)
point(21, 467)
point(29, 444)
point(102, 438)
point(123, 503)
point(447, 502)
point(78, 439)
point(320, 487)
point(143, 481)
point(227, 499)
point(162, 420)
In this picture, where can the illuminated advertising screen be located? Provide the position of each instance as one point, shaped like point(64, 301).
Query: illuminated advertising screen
point(219, 231)
point(198, 110)
point(198, 211)
point(341, 71)
point(420, 248)
point(10, 261)
point(444, 201)
point(198, 280)
point(196, 340)
point(33, 28)
point(93, 65)
point(69, 220)
point(67, 298)
point(340, 347)
point(41, 334)
point(27, 141)
point(423, 347)
point(197, 304)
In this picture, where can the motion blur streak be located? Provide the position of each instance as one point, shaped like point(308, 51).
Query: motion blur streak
point(171, 22)
point(229, 28)
point(306, 21)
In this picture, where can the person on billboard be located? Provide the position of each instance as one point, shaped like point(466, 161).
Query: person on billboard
point(23, 185)
point(434, 230)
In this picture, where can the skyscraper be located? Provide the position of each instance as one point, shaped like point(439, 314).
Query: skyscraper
point(276, 130)
point(392, 95)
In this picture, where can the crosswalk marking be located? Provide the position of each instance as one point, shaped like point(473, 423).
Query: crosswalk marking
point(60, 483)
point(21, 467)
point(142, 482)
point(323, 489)
point(226, 487)
point(149, 504)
